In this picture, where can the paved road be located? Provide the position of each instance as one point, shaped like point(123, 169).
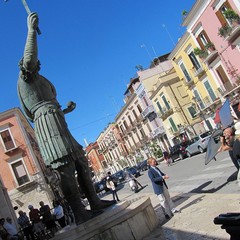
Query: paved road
point(191, 175)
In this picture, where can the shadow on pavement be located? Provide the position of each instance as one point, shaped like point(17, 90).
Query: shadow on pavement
point(179, 199)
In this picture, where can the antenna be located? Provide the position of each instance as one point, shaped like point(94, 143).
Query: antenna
point(144, 46)
point(164, 26)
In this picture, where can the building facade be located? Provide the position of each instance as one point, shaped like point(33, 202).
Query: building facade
point(21, 168)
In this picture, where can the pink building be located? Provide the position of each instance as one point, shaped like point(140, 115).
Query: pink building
point(217, 34)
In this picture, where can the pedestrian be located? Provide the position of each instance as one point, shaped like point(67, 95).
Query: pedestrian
point(47, 218)
point(59, 214)
point(231, 143)
point(25, 225)
point(227, 141)
point(130, 176)
point(160, 188)
point(110, 185)
point(11, 228)
point(34, 216)
point(167, 158)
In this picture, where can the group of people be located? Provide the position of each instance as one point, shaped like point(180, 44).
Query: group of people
point(8, 230)
point(42, 221)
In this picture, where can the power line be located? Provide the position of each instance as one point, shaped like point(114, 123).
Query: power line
point(95, 121)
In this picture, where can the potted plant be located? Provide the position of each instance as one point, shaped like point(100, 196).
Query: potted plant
point(224, 31)
point(200, 52)
point(232, 16)
point(210, 46)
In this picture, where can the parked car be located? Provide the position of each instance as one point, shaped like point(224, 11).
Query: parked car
point(119, 176)
point(134, 171)
point(178, 151)
point(198, 144)
point(101, 185)
point(143, 166)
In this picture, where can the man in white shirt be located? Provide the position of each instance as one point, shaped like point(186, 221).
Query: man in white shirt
point(160, 188)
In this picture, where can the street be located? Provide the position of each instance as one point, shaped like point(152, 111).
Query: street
point(191, 175)
point(200, 191)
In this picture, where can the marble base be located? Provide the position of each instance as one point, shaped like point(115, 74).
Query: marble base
point(128, 220)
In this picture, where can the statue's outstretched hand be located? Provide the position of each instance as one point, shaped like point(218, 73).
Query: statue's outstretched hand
point(32, 21)
point(70, 107)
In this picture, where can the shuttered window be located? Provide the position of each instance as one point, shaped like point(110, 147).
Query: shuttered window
point(7, 140)
point(220, 14)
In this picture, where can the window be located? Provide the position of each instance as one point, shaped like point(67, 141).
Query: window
point(7, 140)
point(192, 111)
point(130, 120)
point(142, 133)
point(139, 108)
point(194, 60)
point(203, 39)
point(199, 101)
point(134, 113)
point(185, 72)
point(166, 102)
point(125, 124)
point(220, 13)
point(210, 91)
point(20, 173)
point(159, 107)
point(173, 125)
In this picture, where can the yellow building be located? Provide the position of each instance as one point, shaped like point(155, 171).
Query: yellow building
point(198, 83)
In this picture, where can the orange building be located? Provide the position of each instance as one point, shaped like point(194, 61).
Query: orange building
point(96, 159)
point(21, 167)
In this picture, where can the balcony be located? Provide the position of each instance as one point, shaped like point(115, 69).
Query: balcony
point(149, 109)
point(234, 36)
point(212, 55)
point(165, 113)
point(189, 83)
point(157, 131)
point(138, 120)
point(198, 72)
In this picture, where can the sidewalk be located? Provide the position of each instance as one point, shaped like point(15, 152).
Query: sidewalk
point(195, 221)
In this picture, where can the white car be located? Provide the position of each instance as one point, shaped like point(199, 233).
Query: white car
point(198, 144)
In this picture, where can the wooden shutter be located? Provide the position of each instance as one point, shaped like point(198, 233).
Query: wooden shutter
point(220, 15)
point(206, 36)
point(200, 42)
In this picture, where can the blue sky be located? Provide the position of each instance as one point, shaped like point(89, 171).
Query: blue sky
point(88, 49)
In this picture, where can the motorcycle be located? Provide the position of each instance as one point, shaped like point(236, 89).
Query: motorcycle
point(133, 185)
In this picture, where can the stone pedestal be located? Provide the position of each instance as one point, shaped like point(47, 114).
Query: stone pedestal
point(129, 220)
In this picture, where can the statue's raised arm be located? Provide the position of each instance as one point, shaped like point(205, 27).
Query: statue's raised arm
point(30, 58)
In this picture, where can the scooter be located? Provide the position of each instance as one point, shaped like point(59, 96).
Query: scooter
point(133, 185)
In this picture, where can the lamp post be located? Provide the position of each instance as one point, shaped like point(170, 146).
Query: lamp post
point(199, 109)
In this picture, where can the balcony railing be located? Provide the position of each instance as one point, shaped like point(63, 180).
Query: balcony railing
point(165, 113)
point(234, 36)
point(157, 131)
point(198, 72)
point(147, 111)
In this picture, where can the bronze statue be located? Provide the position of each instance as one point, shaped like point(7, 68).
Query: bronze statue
point(58, 147)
